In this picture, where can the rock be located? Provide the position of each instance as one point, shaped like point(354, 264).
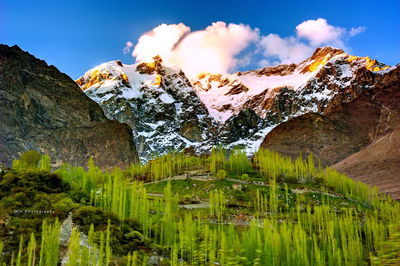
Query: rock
point(65, 230)
point(43, 109)
point(154, 260)
point(378, 164)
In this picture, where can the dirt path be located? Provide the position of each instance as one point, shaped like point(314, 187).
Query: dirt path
point(294, 190)
point(201, 205)
point(155, 195)
point(182, 177)
point(301, 191)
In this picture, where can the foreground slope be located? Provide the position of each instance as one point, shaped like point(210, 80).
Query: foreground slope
point(210, 210)
point(43, 109)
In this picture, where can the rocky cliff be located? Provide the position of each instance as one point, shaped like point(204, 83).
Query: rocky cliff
point(43, 109)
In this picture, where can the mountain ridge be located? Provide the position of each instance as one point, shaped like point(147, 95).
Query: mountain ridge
point(275, 94)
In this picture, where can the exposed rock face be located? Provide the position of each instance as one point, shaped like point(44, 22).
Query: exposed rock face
point(348, 131)
point(168, 112)
point(43, 109)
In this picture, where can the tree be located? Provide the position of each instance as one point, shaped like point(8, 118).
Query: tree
point(44, 163)
point(31, 250)
point(74, 248)
point(31, 158)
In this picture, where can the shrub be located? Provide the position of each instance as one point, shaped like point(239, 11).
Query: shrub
point(87, 215)
point(134, 236)
point(245, 176)
point(31, 179)
point(241, 196)
point(187, 198)
point(221, 174)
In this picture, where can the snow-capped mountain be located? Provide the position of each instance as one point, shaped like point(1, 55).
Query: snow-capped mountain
point(314, 81)
point(168, 112)
point(156, 101)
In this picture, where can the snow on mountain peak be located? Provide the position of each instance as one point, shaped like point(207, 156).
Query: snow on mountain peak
point(226, 95)
point(319, 58)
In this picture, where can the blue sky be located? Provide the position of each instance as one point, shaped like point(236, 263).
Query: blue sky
point(78, 35)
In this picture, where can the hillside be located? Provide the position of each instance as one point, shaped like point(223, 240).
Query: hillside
point(215, 209)
point(348, 128)
point(43, 109)
point(378, 164)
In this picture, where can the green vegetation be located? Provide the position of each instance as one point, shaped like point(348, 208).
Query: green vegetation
point(187, 210)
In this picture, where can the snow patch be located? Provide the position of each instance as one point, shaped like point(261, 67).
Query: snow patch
point(166, 98)
point(252, 145)
point(178, 108)
point(131, 93)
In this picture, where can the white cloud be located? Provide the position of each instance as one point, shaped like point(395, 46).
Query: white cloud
point(221, 47)
point(310, 34)
point(213, 49)
point(244, 60)
point(319, 32)
point(128, 46)
point(356, 30)
point(264, 63)
point(159, 41)
point(286, 50)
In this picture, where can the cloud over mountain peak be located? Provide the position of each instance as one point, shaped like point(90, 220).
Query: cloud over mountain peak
point(222, 47)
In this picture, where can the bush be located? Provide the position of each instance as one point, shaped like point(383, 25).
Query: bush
point(245, 176)
point(87, 215)
point(134, 236)
point(80, 196)
point(187, 198)
point(30, 180)
point(221, 174)
point(289, 179)
point(241, 196)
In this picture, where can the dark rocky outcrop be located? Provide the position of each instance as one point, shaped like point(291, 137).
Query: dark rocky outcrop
point(44, 109)
point(239, 127)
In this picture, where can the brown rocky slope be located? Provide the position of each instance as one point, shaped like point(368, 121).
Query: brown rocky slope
point(378, 164)
point(43, 109)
